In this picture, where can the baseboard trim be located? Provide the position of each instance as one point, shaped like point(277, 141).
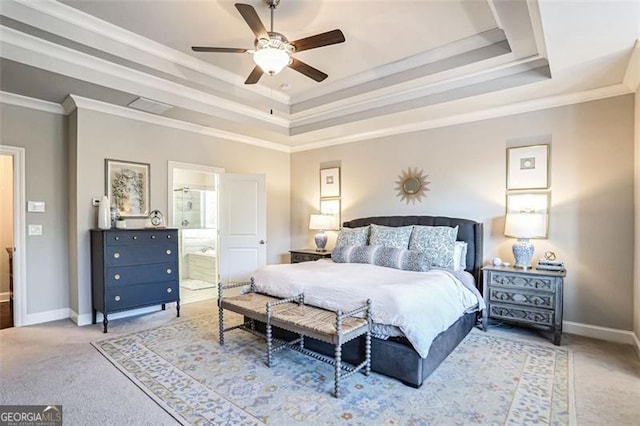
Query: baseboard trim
point(602, 333)
point(636, 340)
point(47, 316)
point(85, 319)
point(4, 297)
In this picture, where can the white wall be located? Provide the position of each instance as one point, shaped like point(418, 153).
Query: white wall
point(101, 136)
point(592, 211)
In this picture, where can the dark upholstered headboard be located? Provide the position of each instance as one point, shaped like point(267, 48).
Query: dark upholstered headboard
point(468, 231)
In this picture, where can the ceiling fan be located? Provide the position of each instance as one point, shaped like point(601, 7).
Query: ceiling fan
point(273, 51)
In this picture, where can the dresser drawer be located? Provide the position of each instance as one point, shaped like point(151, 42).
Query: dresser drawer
point(510, 280)
point(140, 274)
point(529, 315)
point(123, 255)
point(139, 237)
point(537, 300)
point(121, 298)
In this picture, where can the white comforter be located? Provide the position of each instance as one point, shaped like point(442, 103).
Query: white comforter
point(421, 304)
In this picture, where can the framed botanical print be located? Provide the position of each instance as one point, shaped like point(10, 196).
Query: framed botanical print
point(127, 186)
point(527, 167)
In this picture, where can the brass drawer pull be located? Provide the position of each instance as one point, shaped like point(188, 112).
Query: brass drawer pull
point(116, 255)
point(168, 251)
point(116, 277)
point(117, 298)
point(169, 290)
point(169, 270)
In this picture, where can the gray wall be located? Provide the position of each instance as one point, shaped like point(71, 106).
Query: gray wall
point(43, 135)
point(636, 293)
point(101, 136)
point(592, 193)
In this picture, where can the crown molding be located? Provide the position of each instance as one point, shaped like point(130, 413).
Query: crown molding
point(31, 103)
point(78, 102)
point(486, 114)
point(632, 74)
point(33, 51)
point(72, 19)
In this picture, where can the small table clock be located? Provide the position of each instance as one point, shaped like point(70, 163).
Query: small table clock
point(155, 219)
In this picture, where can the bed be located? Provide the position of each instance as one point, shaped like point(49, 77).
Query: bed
point(397, 356)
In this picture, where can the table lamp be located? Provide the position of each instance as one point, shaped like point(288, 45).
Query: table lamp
point(320, 222)
point(524, 225)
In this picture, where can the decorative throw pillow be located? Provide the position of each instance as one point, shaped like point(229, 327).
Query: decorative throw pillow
point(390, 236)
point(438, 243)
point(353, 236)
point(460, 256)
point(389, 257)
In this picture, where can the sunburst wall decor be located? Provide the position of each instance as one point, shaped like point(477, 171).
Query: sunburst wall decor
point(412, 185)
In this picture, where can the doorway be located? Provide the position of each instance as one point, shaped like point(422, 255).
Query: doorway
point(6, 241)
point(194, 212)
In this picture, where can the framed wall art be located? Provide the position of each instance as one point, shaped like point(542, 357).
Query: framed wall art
point(331, 207)
point(330, 182)
point(127, 186)
point(527, 167)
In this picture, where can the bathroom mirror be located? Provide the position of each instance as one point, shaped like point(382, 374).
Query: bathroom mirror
point(412, 185)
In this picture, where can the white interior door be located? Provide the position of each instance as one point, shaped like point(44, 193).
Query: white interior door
point(243, 226)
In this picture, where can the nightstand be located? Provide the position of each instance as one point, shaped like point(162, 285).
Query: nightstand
point(532, 297)
point(308, 255)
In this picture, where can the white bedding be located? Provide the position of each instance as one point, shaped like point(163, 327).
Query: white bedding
point(421, 304)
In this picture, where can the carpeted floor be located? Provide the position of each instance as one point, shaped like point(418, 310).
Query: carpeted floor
point(488, 379)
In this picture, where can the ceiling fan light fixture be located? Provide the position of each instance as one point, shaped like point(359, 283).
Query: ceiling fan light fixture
point(271, 60)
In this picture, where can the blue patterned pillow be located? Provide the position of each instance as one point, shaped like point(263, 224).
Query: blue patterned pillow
point(390, 236)
point(353, 236)
point(390, 257)
point(437, 242)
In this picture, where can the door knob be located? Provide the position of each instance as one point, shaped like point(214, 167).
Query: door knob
point(263, 242)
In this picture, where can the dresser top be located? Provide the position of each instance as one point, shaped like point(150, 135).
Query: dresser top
point(530, 271)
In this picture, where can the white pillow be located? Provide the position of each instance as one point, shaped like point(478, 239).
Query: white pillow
point(460, 256)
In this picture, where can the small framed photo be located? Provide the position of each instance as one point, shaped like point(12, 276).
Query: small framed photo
point(127, 186)
point(534, 203)
point(527, 167)
point(330, 182)
point(331, 207)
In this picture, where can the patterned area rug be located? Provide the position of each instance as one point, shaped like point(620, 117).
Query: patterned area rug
point(486, 380)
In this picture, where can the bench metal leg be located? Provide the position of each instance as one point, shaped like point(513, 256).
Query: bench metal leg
point(220, 315)
point(269, 336)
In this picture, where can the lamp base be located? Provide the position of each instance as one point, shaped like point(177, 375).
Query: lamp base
point(321, 241)
point(523, 252)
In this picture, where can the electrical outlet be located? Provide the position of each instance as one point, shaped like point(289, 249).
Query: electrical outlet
point(95, 201)
point(35, 229)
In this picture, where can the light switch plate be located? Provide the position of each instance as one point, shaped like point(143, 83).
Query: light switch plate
point(35, 206)
point(35, 229)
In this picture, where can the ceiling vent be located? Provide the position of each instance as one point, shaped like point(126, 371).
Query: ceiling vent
point(148, 105)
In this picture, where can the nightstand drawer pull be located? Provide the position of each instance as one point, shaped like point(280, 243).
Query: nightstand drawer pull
point(169, 236)
point(116, 255)
point(169, 290)
point(116, 238)
point(135, 237)
point(168, 251)
point(116, 277)
point(117, 298)
point(169, 271)
point(153, 237)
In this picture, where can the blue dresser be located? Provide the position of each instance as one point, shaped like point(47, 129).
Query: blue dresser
point(132, 269)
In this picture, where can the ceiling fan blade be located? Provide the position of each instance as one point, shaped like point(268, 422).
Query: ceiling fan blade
point(254, 76)
point(253, 20)
point(307, 70)
point(218, 49)
point(318, 40)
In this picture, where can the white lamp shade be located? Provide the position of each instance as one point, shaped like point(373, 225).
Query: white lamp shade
point(271, 60)
point(526, 225)
point(320, 221)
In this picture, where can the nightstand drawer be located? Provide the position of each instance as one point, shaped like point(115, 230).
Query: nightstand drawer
point(529, 315)
point(515, 281)
point(536, 300)
point(302, 257)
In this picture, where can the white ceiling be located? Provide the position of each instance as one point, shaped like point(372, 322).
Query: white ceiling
point(405, 64)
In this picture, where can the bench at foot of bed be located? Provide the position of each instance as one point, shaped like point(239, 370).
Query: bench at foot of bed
point(335, 328)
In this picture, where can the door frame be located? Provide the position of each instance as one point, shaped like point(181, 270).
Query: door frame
point(19, 234)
